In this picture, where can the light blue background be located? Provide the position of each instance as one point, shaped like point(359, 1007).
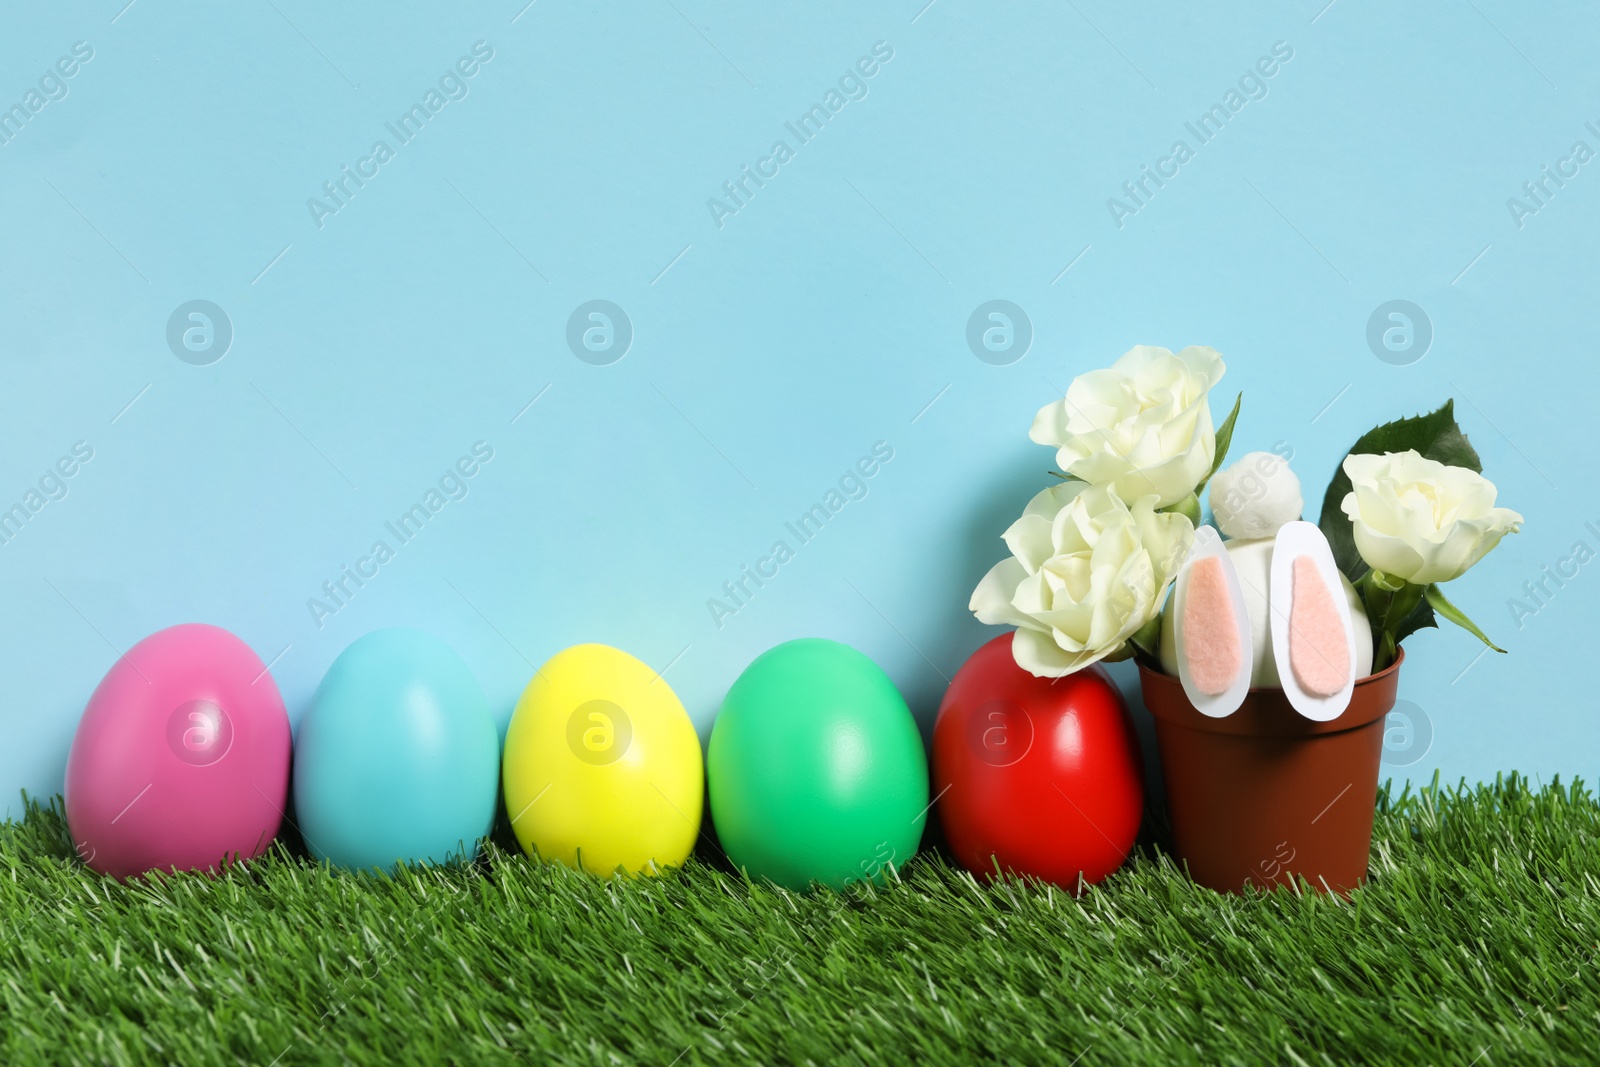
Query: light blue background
point(774, 351)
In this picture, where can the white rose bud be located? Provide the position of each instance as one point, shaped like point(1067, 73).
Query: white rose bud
point(1086, 571)
point(1142, 426)
point(1422, 521)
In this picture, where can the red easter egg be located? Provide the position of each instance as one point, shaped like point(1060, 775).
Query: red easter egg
point(1040, 776)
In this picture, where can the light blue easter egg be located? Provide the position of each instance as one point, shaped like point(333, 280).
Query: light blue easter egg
point(398, 758)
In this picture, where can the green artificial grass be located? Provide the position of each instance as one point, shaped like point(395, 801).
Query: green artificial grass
point(1474, 942)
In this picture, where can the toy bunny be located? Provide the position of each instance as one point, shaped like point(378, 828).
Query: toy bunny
point(1267, 607)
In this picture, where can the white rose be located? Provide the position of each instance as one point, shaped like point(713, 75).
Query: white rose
point(1420, 520)
point(1086, 571)
point(1142, 426)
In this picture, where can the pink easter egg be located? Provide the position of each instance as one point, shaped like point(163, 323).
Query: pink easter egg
point(182, 757)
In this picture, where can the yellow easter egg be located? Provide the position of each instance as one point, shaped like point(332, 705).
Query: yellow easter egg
point(602, 767)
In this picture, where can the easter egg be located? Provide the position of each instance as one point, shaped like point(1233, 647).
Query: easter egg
point(816, 768)
point(397, 758)
point(602, 766)
point(1036, 776)
point(181, 759)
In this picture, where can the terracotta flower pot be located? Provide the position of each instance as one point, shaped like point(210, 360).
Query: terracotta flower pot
point(1265, 796)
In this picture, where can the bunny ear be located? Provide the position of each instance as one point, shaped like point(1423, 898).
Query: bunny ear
point(1313, 638)
point(1211, 628)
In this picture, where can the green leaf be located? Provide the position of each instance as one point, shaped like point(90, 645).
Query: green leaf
point(1443, 606)
point(1396, 610)
point(1125, 651)
point(1147, 638)
point(1421, 617)
point(1435, 435)
point(1224, 439)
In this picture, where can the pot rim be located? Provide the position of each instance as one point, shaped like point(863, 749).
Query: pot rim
point(1266, 711)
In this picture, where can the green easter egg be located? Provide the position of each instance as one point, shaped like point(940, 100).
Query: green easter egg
point(816, 770)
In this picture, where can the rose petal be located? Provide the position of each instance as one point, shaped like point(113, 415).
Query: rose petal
point(991, 600)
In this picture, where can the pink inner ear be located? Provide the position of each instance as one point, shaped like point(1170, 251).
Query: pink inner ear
point(1318, 650)
point(1210, 633)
